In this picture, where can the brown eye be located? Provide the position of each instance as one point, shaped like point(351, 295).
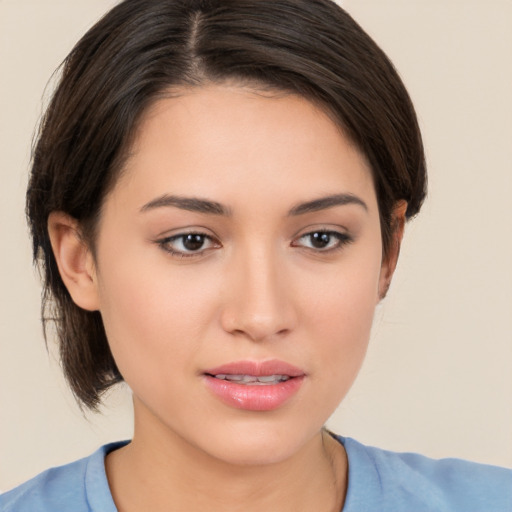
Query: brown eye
point(320, 240)
point(188, 244)
point(193, 242)
point(323, 241)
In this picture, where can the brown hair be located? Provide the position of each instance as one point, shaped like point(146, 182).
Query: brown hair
point(143, 48)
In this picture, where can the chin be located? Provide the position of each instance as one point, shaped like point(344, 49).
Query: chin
point(257, 443)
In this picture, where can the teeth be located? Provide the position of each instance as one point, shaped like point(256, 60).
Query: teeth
point(271, 378)
point(252, 379)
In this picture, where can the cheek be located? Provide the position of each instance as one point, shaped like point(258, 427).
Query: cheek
point(346, 318)
point(153, 314)
point(341, 317)
point(345, 294)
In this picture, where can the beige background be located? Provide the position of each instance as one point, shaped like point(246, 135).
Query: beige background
point(438, 378)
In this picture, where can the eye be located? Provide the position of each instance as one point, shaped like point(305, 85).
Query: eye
point(323, 240)
point(188, 244)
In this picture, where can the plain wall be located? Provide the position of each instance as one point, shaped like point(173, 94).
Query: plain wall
point(438, 376)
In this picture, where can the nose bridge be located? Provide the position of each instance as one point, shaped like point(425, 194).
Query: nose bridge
point(259, 304)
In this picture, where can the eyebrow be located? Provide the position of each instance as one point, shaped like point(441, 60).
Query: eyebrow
point(327, 202)
point(199, 205)
point(193, 204)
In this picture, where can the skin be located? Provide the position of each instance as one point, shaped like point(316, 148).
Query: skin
point(257, 289)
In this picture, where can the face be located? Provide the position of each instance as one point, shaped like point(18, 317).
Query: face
point(237, 270)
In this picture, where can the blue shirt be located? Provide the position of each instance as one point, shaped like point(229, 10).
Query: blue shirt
point(378, 481)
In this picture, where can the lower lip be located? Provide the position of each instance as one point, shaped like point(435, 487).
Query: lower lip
point(254, 398)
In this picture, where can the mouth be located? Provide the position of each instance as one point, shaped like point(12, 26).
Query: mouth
point(255, 386)
point(253, 380)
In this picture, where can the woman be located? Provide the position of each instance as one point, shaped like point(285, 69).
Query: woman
point(218, 197)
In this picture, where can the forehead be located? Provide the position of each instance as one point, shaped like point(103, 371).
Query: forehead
point(210, 140)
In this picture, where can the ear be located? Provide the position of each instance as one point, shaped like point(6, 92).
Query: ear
point(74, 260)
point(390, 261)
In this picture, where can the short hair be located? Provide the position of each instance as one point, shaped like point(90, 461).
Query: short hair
point(142, 49)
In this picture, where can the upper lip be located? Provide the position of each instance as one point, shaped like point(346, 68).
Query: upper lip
point(257, 368)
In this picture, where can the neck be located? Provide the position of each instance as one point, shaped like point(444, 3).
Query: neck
point(160, 471)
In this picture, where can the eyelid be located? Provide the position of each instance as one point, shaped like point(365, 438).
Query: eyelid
point(341, 235)
point(343, 238)
point(164, 243)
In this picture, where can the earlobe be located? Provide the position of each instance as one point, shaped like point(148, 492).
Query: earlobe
point(74, 260)
point(390, 261)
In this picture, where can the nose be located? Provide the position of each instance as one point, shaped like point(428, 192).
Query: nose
point(259, 298)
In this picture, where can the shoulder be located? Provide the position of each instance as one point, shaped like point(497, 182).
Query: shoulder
point(409, 481)
point(53, 489)
point(75, 486)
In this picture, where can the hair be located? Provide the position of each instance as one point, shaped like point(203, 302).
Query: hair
point(141, 50)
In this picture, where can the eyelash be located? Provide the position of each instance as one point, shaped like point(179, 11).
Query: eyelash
point(341, 240)
point(165, 244)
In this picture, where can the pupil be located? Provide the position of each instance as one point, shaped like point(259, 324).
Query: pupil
point(320, 240)
point(193, 242)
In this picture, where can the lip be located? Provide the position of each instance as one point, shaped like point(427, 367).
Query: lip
point(254, 397)
point(257, 368)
